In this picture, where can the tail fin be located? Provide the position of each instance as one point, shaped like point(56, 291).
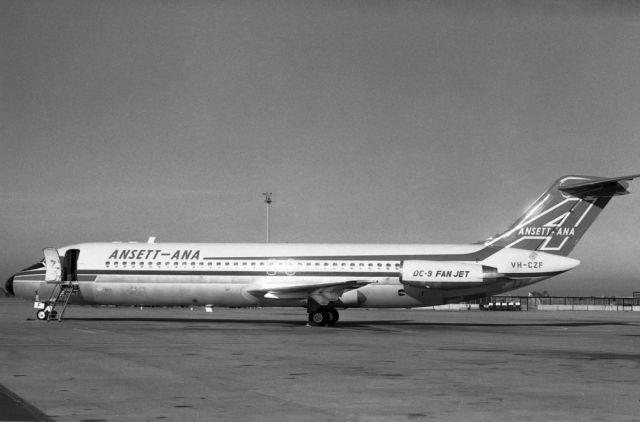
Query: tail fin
point(556, 221)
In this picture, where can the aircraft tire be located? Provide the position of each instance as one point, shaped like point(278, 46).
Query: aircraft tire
point(332, 316)
point(42, 315)
point(318, 318)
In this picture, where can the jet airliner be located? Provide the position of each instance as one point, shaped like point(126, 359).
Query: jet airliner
point(326, 277)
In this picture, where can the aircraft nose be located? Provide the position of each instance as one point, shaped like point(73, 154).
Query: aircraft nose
point(8, 286)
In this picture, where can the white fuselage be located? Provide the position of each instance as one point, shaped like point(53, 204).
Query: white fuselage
point(270, 274)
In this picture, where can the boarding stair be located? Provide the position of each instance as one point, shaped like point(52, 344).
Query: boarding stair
point(59, 299)
point(62, 277)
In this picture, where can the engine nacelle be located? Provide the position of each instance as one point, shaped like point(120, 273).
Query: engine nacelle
point(445, 274)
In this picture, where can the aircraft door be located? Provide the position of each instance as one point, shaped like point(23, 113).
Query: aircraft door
point(52, 265)
point(70, 268)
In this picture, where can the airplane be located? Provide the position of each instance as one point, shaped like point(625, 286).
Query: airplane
point(325, 277)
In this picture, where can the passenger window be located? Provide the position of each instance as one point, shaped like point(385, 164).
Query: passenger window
point(106, 264)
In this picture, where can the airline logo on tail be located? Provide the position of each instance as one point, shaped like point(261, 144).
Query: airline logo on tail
point(553, 234)
point(560, 217)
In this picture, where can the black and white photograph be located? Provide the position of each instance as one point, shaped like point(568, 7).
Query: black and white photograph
point(319, 210)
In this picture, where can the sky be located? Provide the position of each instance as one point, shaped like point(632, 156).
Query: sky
point(370, 121)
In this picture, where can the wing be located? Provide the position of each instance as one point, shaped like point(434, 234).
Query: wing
point(321, 291)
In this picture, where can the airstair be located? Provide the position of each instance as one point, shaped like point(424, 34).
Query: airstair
point(62, 282)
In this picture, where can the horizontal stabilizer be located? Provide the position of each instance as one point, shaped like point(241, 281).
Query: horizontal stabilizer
point(596, 187)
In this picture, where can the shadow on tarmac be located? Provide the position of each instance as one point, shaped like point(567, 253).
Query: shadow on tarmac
point(15, 408)
point(353, 324)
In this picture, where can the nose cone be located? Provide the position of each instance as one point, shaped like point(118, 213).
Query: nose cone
point(8, 286)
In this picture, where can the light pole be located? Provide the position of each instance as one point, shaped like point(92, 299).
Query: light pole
point(267, 200)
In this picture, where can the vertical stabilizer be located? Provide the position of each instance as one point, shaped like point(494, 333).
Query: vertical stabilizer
point(557, 220)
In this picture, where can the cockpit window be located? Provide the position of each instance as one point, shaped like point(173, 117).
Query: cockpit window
point(34, 266)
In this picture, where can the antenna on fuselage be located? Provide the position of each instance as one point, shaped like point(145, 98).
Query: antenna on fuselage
point(267, 200)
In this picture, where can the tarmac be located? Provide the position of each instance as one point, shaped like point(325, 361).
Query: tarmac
point(156, 364)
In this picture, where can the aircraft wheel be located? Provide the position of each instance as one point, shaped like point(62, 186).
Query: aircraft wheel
point(332, 317)
point(318, 318)
point(42, 315)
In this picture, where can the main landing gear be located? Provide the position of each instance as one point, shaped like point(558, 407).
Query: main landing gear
point(324, 316)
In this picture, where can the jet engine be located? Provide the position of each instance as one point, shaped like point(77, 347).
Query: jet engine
point(445, 274)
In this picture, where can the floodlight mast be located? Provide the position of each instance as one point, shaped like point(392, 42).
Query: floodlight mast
point(267, 200)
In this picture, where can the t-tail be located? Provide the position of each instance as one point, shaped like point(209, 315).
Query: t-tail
point(559, 218)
